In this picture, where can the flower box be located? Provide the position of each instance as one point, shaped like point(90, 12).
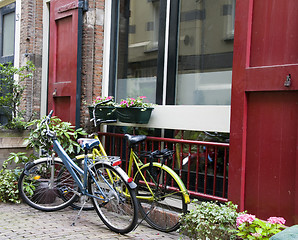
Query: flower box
point(134, 114)
point(103, 112)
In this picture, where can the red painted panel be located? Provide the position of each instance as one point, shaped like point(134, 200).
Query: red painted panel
point(271, 154)
point(263, 168)
point(274, 33)
point(62, 89)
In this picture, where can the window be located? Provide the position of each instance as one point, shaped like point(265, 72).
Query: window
point(200, 51)
point(7, 28)
point(137, 44)
point(205, 53)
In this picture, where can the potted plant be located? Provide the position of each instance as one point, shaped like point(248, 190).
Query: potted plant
point(104, 111)
point(131, 110)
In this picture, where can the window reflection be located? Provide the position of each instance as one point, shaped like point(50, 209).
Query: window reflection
point(137, 49)
point(205, 53)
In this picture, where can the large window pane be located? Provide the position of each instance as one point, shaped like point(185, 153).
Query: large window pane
point(137, 49)
point(8, 34)
point(205, 52)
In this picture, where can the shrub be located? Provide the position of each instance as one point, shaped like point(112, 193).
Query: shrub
point(12, 92)
point(9, 177)
point(66, 135)
point(210, 221)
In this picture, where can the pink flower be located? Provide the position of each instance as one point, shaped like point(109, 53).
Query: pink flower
point(98, 98)
point(142, 97)
point(276, 220)
point(256, 234)
point(245, 218)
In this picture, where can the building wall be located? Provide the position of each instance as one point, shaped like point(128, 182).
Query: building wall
point(92, 56)
point(31, 49)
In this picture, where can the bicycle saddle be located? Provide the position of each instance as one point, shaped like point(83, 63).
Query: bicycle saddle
point(134, 139)
point(87, 143)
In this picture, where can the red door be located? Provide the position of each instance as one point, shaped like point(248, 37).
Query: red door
point(64, 59)
point(263, 171)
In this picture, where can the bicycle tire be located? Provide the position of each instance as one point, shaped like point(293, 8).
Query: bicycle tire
point(36, 190)
point(164, 210)
point(120, 212)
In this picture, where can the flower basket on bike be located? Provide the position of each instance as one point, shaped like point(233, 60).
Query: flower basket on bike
point(104, 108)
point(103, 112)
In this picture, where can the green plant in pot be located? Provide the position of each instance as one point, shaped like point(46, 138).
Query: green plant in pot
point(11, 93)
point(104, 111)
point(134, 110)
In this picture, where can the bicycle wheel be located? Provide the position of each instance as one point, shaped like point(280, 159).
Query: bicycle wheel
point(47, 187)
point(116, 203)
point(163, 210)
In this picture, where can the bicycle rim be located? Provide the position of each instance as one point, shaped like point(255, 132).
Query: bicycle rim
point(116, 204)
point(163, 211)
point(46, 186)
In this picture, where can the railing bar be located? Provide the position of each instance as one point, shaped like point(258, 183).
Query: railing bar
point(206, 170)
point(158, 139)
point(224, 174)
point(188, 165)
point(215, 170)
point(197, 167)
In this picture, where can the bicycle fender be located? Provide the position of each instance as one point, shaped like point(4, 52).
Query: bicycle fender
point(124, 175)
point(175, 176)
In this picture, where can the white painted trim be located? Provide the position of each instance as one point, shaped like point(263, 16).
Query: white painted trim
point(189, 117)
point(17, 35)
point(45, 59)
point(165, 73)
point(106, 49)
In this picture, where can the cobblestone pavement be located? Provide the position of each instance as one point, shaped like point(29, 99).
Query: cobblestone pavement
point(19, 221)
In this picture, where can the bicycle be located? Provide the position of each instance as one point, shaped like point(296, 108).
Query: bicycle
point(161, 194)
point(51, 184)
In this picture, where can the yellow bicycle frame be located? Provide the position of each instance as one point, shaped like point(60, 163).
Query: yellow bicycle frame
point(139, 164)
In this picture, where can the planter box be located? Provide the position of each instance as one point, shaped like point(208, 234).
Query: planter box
point(103, 112)
point(134, 115)
point(12, 141)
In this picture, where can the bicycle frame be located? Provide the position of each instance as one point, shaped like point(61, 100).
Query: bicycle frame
point(135, 159)
point(70, 165)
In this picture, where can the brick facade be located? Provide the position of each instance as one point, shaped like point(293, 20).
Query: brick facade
point(92, 56)
point(31, 47)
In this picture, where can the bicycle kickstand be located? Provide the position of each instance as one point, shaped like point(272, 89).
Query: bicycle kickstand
point(79, 213)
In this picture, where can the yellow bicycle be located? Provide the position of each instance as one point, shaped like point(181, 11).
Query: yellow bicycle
point(161, 194)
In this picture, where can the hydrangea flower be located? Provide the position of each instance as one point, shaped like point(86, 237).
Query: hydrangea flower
point(245, 218)
point(276, 220)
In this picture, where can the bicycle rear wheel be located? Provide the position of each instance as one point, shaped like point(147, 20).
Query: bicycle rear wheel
point(46, 186)
point(116, 203)
point(163, 210)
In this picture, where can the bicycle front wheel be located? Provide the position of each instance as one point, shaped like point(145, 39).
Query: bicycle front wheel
point(47, 186)
point(161, 202)
point(115, 202)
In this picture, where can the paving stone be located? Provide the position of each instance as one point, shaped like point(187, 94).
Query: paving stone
point(20, 221)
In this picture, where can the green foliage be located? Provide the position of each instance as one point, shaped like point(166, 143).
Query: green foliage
point(13, 90)
point(9, 177)
point(258, 229)
point(66, 135)
point(210, 221)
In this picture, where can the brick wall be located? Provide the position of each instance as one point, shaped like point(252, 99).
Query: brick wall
point(92, 56)
point(31, 49)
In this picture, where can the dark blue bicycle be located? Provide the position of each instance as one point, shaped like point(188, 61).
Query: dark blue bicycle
point(53, 183)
